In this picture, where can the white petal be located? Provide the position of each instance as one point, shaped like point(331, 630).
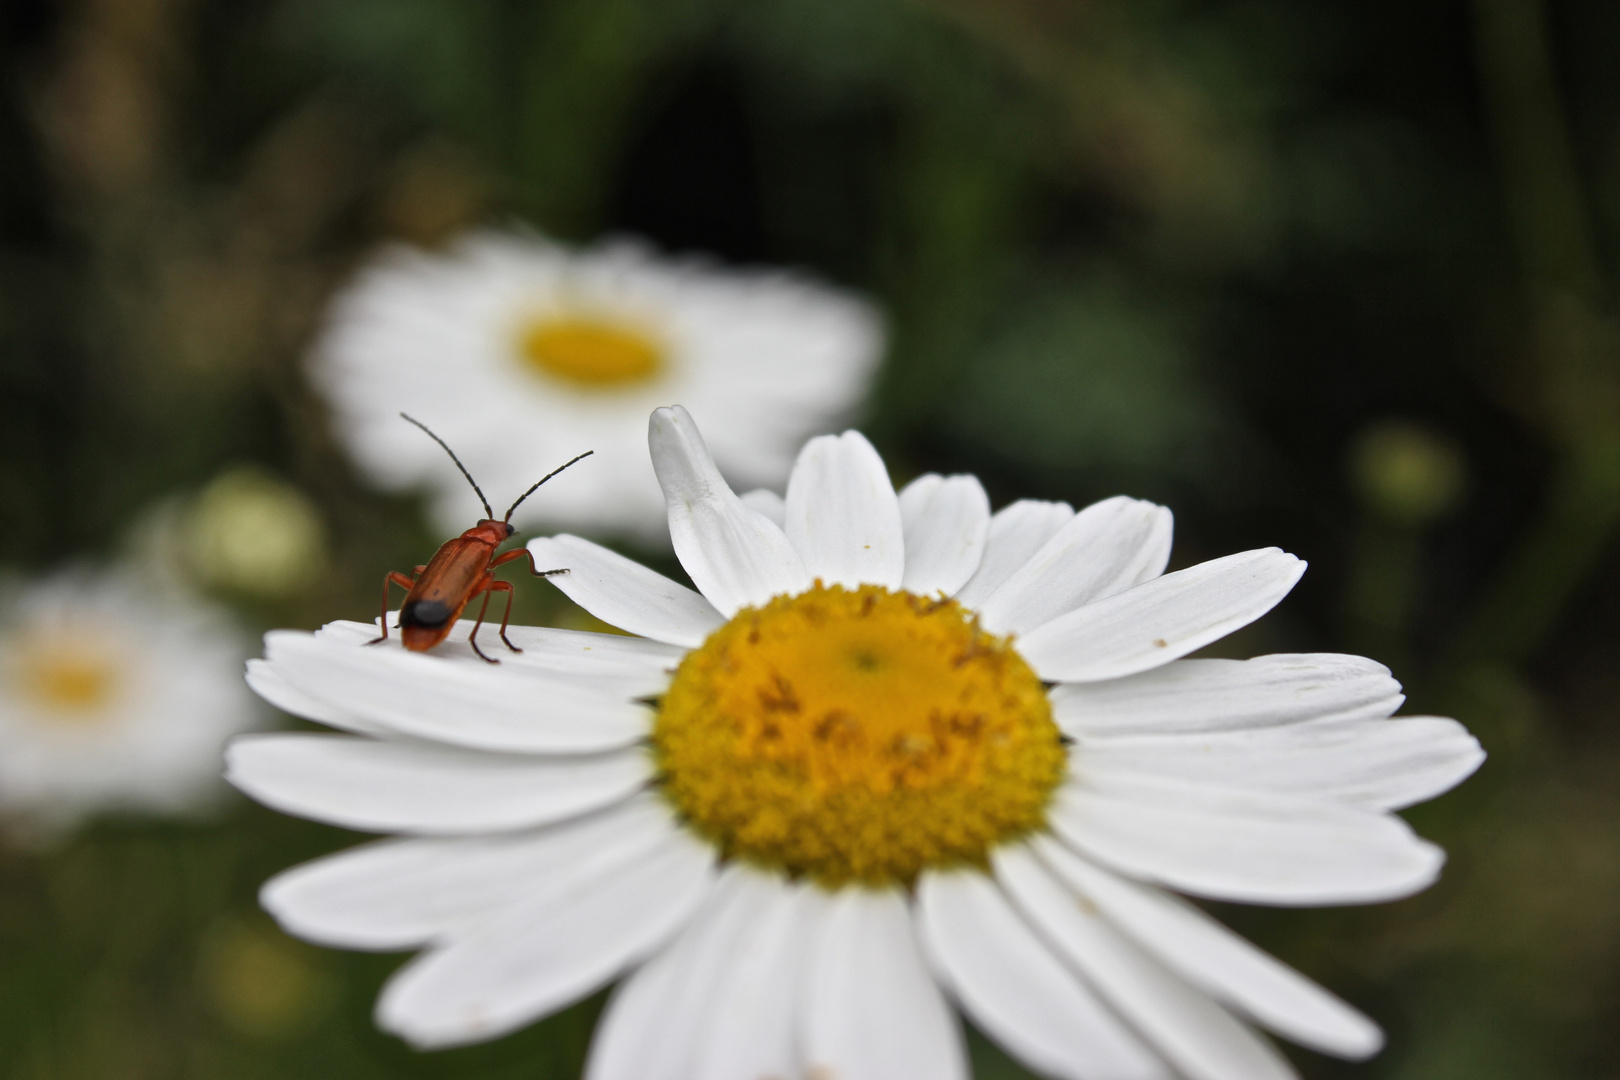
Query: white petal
point(1161, 620)
point(548, 950)
point(269, 684)
point(467, 703)
point(636, 661)
point(1382, 764)
point(1017, 531)
point(946, 521)
point(349, 632)
point(580, 652)
point(748, 1031)
point(658, 1016)
point(623, 593)
point(1217, 960)
point(1107, 548)
point(1249, 846)
point(737, 558)
point(1229, 695)
point(398, 894)
point(872, 1010)
point(424, 787)
point(1201, 1039)
point(767, 502)
point(1017, 991)
point(842, 514)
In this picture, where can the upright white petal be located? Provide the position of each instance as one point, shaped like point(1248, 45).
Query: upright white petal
point(418, 787)
point(737, 558)
point(872, 1011)
point(1016, 991)
point(1161, 620)
point(1249, 846)
point(398, 894)
point(1210, 956)
point(1107, 548)
point(1229, 695)
point(946, 521)
point(842, 514)
point(1382, 764)
point(1201, 1039)
point(466, 703)
point(623, 593)
point(1017, 531)
point(547, 950)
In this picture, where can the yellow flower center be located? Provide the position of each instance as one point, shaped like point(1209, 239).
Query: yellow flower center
point(858, 735)
point(591, 352)
point(69, 681)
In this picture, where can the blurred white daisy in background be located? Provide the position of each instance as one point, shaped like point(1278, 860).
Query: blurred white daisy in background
point(895, 753)
point(114, 696)
point(521, 353)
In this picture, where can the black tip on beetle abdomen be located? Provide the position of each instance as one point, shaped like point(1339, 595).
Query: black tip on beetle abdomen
point(430, 614)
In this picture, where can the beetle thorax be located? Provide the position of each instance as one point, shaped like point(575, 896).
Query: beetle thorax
point(489, 531)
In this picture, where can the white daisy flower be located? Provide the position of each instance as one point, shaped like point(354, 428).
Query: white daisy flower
point(113, 697)
point(521, 353)
point(895, 753)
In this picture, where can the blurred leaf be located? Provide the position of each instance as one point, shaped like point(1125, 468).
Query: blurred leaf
point(442, 55)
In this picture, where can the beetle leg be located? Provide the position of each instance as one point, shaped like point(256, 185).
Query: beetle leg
point(520, 553)
point(506, 587)
point(393, 577)
point(486, 587)
point(416, 571)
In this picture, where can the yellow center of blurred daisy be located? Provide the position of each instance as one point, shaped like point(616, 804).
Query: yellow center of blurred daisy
point(591, 352)
point(69, 682)
point(858, 735)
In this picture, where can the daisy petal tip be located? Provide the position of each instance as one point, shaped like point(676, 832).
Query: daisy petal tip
point(275, 640)
point(274, 904)
point(278, 899)
point(1364, 1044)
point(1424, 865)
point(1466, 754)
point(677, 447)
point(424, 1025)
point(238, 757)
point(414, 1032)
point(671, 422)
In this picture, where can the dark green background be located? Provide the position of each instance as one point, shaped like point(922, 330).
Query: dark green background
point(1196, 251)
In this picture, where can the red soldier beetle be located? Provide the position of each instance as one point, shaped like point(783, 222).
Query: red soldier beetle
point(437, 591)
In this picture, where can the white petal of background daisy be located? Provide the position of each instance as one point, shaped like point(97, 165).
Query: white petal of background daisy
point(522, 353)
point(895, 758)
point(113, 696)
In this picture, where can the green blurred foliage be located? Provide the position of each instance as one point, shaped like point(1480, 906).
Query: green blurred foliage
point(1211, 253)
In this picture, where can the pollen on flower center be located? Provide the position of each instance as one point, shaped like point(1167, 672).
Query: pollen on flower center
point(590, 352)
point(857, 735)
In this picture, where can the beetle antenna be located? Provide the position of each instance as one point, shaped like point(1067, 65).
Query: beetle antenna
point(542, 480)
point(488, 513)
